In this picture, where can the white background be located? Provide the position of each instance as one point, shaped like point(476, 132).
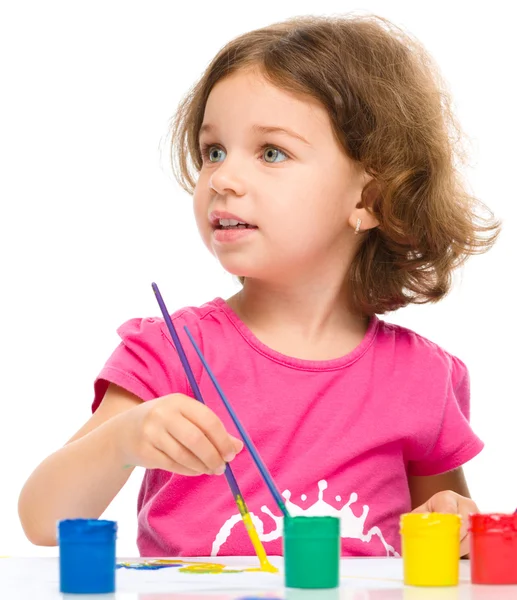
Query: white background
point(90, 214)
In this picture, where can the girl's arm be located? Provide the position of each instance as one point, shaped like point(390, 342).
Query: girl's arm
point(80, 479)
point(175, 433)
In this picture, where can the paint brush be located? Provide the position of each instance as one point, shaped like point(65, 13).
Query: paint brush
point(232, 482)
point(246, 438)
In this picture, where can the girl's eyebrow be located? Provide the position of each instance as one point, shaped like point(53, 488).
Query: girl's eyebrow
point(284, 130)
point(207, 127)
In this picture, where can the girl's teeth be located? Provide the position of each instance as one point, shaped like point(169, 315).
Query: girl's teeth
point(233, 224)
point(230, 222)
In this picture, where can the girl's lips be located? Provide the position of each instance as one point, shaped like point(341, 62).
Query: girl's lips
point(228, 236)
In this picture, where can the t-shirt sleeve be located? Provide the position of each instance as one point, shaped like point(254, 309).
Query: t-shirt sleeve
point(455, 443)
point(145, 363)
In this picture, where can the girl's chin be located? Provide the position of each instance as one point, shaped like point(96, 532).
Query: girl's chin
point(237, 270)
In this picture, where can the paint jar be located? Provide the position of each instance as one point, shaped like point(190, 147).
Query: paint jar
point(430, 548)
point(87, 557)
point(493, 548)
point(312, 552)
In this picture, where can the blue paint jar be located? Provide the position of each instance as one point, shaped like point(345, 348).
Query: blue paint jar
point(87, 556)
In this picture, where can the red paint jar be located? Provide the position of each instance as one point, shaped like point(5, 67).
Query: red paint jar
point(493, 548)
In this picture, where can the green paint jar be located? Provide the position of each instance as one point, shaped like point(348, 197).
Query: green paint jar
point(312, 552)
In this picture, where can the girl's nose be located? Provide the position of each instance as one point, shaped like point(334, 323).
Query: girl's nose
point(227, 179)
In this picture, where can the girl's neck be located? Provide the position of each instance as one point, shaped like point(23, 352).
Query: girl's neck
point(309, 322)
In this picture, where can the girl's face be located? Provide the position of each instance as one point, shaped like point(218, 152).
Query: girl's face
point(272, 162)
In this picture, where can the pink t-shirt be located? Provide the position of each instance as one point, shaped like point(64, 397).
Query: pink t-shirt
point(338, 436)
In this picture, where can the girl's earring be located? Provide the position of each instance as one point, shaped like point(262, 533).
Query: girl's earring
point(358, 227)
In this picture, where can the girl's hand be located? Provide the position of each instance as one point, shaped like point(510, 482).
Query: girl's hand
point(175, 433)
point(451, 502)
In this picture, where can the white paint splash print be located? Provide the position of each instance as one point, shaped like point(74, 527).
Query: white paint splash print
point(351, 526)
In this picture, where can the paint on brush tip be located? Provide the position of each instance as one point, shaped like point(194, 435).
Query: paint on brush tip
point(265, 565)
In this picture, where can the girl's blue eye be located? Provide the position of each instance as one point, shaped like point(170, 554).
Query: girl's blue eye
point(271, 153)
point(211, 151)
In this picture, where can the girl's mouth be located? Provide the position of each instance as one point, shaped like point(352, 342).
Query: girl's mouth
point(233, 224)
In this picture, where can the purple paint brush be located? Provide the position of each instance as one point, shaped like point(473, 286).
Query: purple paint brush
point(232, 482)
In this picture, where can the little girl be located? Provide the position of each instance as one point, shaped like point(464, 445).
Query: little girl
point(321, 156)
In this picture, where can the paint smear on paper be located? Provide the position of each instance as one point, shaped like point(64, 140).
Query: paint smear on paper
point(198, 568)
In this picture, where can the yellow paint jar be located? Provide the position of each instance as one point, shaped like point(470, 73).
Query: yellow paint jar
point(430, 548)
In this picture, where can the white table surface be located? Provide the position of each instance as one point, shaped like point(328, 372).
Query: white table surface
point(361, 579)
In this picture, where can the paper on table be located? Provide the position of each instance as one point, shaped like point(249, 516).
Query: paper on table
point(377, 573)
point(165, 580)
point(356, 573)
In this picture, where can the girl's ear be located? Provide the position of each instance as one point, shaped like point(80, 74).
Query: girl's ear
point(361, 218)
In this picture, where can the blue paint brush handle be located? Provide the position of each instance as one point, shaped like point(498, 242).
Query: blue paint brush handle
point(191, 379)
point(247, 440)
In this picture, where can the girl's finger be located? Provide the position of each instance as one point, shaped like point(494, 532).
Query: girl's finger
point(177, 453)
point(444, 502)
point(238, 444)
point(160, 460)
point(191, 437)
point(210, 424)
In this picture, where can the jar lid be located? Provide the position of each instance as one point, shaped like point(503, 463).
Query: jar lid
point(87, 530)
point(429, 521)
point(493, 522)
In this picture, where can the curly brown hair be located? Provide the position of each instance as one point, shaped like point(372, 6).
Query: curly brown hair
point(391, 112)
